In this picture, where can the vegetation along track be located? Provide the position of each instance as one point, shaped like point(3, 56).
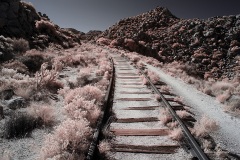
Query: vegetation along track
point(136, 131)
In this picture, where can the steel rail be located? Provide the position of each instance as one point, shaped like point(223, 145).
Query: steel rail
point(92, 147)
point(198, 152)
point(196, 149)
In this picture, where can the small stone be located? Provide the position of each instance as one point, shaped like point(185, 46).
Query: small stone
point(6, 94)
point(1, 113)
point(16, 103)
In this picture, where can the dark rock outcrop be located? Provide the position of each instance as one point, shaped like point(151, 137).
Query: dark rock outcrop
point(19, 19)
point(211, 46)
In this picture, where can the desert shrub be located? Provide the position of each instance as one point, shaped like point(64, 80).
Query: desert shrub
point(20, 45)
point(44, 113)
point(233, 106)
point(165, 88)
point(153, 77)
point(140, 65)
point(220, 87)
point(183, 114)
point(173, 124)
point(83, 76)
point(71, 136)
point(33, 60)
point(91, 93)
point(79, 108)
point(102, 84)
point(204, 126)
point(47, 78)
point(20, 125)
point(88, 92)
point(165, 116)
point(104, 67)
point(176, 134)
point(135, 58)
point(223, 97)
point(18, 66)
point(47, 26)
point(104, 148)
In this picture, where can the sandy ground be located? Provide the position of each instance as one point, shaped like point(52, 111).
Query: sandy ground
point(228, 135)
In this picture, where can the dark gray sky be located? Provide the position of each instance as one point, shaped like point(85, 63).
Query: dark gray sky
point(86, 15)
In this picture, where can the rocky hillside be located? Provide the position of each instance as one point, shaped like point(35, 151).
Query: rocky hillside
point(210, 48)
point(19, 19)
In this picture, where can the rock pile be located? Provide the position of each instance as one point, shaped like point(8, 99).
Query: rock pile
point(211, 46)
point(20, 20)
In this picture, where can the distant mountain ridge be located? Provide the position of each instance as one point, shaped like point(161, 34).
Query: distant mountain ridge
point(211, 47)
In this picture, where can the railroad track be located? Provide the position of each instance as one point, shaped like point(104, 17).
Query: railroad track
point(137, 130)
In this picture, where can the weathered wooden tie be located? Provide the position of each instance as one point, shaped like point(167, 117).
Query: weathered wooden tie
point(157, 149)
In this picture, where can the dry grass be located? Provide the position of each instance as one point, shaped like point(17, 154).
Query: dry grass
point(20, 45)
point(153, 77)
point(176, 134)
point(183, 114)
point(71, 136)
point(104, 147)
point(223, 97)
point(44, 112)
point(204, 126)
point(165, 117)
point(233, 106)
point(172, 124)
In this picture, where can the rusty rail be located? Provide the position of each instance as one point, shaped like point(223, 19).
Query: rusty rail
point(93, 145)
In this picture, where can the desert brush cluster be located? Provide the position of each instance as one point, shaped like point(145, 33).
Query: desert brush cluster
point(58, 91)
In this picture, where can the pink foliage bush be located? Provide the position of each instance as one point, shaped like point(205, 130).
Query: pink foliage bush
point(79, 108)
point(70, 136)
point(47, 78)
point(165, 116)
point(233, 106)
point(165, 88)
point(46, 113)
point(204, 126)
point(104, 66)
point(91, 93)
point(102, 84)
point(223, 97)
point(176, 134)
point(153, 77)
point(172, 124)
point(87, 92)
point(83, 76)
point(104, 147)
point(220, 87)
point(183, 114)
